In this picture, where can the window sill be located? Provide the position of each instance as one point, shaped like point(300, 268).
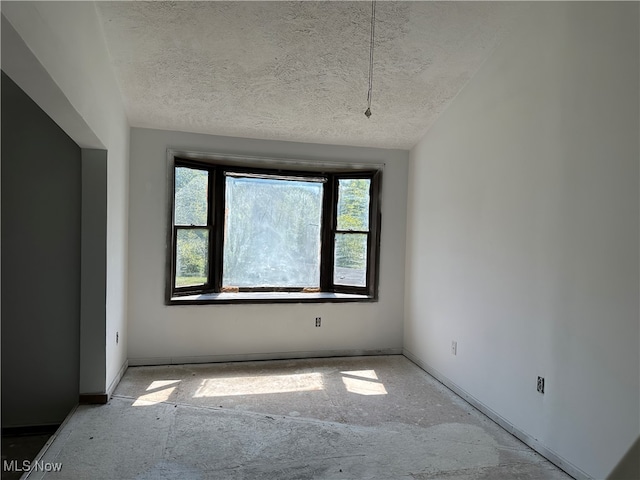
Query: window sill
point(269, 297)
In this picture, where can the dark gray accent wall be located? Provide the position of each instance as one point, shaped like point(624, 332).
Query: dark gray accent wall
point(41, 208)
point(629, 466)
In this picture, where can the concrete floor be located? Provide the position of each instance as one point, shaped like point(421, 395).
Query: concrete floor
point(337, 418)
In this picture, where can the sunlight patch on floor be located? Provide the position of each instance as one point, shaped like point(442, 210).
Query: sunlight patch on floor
point(264, 384)
point(153, 398)
point(158, 393)
point(363, 382)
point(161, 384)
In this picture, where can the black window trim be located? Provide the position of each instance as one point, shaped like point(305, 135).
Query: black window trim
point(216, 164)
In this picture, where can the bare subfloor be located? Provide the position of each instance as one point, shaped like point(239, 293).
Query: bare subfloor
point(337, 418)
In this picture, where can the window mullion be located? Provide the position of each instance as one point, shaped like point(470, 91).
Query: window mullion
point(212, 228)
point(362, 232)
point(218, 212)
point(174, 257)
point(373, 242)
point(328, 228)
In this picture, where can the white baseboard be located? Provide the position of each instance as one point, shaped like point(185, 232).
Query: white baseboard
point(144, 361)
point(549, 454)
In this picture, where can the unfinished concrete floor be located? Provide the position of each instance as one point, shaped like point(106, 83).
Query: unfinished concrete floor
point(337, 418)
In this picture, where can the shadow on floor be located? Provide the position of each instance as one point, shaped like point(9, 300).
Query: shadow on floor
point(18, 448)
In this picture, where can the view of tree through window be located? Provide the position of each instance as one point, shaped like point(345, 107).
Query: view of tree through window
point(352, 229)
point(272, 233)
point(192, 257)
point(190, 211)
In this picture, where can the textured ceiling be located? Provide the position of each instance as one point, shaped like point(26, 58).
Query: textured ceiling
point(298, 70)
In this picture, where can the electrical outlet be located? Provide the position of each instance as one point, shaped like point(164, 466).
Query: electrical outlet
point(318, 321)
point(117, 338)
point(454, 347)
point(540, 385)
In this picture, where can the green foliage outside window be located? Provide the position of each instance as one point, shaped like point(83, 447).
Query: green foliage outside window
point(353, 215)
point(191, 192)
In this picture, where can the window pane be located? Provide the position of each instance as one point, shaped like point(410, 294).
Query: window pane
point(350, 261)
point(272, 233)
point(191, 196)
point(192, 253)
point(353, 204)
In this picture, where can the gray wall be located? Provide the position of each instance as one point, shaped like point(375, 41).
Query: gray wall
point(523, 235)
point(93, 272)
point(41, 193)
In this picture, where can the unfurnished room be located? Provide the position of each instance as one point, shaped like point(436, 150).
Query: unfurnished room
point(320, 240)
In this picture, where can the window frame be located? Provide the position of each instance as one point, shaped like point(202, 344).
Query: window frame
point(212, 291)
point(210, 227)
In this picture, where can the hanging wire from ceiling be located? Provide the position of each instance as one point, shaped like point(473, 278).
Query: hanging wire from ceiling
point(373, 34)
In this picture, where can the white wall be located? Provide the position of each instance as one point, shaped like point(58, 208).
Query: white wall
point(66, 40)
point(523, 235)
point(174, 334)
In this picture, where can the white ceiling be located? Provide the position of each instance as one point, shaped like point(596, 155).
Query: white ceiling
point(298, 70)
